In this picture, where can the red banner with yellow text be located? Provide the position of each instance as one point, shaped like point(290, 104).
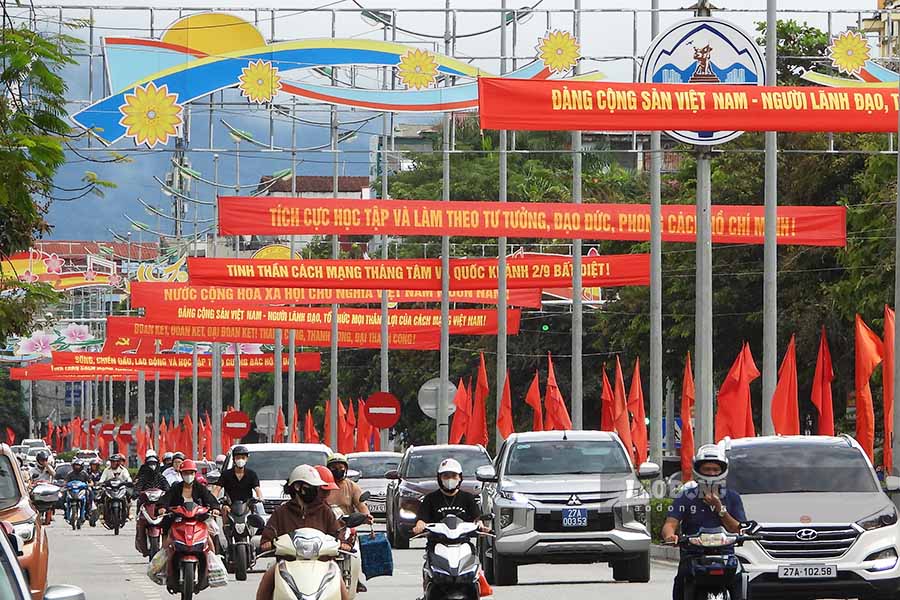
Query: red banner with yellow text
point(733, 224)
point(545, 105)
point(252, 363)
point(420, 274)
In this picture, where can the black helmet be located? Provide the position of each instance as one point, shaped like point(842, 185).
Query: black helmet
point(243, 450)
point(117, 458)
point(178, 455)
point(77, 465)
point(42, 456)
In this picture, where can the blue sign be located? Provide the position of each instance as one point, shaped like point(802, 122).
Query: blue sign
point(73, 394)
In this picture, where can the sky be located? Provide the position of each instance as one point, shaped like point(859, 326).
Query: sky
point(607, 41)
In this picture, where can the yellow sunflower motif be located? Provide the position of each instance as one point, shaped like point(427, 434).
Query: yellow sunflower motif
point(849, 52)
point(417, 69)
point(151, 115)
point(260, 81)
point(559, 50)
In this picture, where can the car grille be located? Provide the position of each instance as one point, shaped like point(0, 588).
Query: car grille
point(552, 522)
point(270, 505)
point(565, 499)
point(830, 541)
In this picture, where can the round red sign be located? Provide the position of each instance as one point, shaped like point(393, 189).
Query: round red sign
point(95, 425)
point(124, 432)
point(383, 410)
point(106, 432)
point(236, 424)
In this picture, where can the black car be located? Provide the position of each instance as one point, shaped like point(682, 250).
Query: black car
point(417, 476)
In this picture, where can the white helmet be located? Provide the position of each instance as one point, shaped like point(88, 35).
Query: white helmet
point(710, 453)
point(150, 452)
point(449, 465)
point(306, 474)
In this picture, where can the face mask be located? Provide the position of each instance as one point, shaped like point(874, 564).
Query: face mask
point(452, 483)
point(339, 474)
point(188, 478)
point(240, 462)
point(306, 493)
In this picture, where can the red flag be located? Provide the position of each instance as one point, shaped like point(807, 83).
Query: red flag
point(345, 441)
point(869, 350)
point(785, 407)
point(821, 388)
point(349, 428)
point(376, 439)
point(163, 442)
point(607, 420)
point(189, 436)
point(887, 377)
point(327, 424)
point(209, 438)
point(461, 415)
point(477, 433)
point(363, 429)
point(734, 416)
point(295, 434)
point(687, 427)
point(557, 414)
point(639, 419)
point(48, 439)
point(505, 417)
point(279, 427)
point(310, 435)
point(623, 425)
point(533, 399)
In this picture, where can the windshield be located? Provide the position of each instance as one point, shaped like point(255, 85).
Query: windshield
point(787, 468)
point(423, 465)
point(559, 457)
point(373, 467)
point(9, 486)
point(278, 464)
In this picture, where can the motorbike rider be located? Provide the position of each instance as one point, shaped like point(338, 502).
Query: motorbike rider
point(448, 499)
point(77, 473)
point(117, 470)
point(704, 503)
point(305, 509)
point(240, 483)
point(42, 471)
point(148, 477)
point(186, 490)
point(173, 473)
point(94, 472)
point(346, 497)
point(167, 458)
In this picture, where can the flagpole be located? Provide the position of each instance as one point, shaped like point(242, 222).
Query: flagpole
point(895, 442)
point(577, 308)
point(501, 246)
point(194, 401)
point(770, 245)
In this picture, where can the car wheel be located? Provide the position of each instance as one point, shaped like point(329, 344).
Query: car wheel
point(638, 570)
point(506, 572)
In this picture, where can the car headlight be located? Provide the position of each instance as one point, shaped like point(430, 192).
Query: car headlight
point(512, 496)
point(405, 493)
point(883, 518)
point(24, 530)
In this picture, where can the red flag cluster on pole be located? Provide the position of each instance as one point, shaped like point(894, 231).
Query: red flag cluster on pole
point(533, 399)
point(887, 378)
point(639, 436)
point(687, 424)
point(785, 406)
point(821, 388)
point(476, 433)
point(734, 416)
point(556, 415)
point(869, 353)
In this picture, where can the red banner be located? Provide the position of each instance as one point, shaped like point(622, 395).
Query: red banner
point(131, 328)
point(251, 363)
point(144, 294)
point(462, 322)
point(420, 274)
point(50, 372)
point(544, 105)
point(270, 215)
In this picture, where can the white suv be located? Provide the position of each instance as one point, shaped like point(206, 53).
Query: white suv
point(828, 530)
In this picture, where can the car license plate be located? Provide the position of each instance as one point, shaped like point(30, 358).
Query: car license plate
point(807, 572)
point(574, 517)
point(375, 507)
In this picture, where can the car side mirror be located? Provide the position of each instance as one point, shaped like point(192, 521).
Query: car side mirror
point(648, 470)
point(892, 483)
point(353, 475)
point(63, 592)
point(486, 474)
point(392, 474)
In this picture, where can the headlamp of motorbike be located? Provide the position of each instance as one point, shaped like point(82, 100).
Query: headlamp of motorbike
point(24, 530)
point(883, 518)
point(240, 527)
point(713, 540)
point(154, 496)
point(307, 548)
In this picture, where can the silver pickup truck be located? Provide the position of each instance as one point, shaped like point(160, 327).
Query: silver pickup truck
point(566, 497)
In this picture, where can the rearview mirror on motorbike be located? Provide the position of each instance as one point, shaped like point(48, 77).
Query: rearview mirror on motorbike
point(365, 496)
point(354, 519)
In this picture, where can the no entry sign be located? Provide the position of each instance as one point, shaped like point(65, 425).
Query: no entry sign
point(106, 432)
point(124, 432)
point(236, 424)
point(383, 410)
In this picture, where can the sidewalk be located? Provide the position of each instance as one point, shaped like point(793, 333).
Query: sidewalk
point(663, 553)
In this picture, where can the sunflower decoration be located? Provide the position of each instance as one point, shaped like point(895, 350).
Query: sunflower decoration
point(849, 52)
point(418, 69)
point(259, 81)
point(559, 50)
point(151, 115)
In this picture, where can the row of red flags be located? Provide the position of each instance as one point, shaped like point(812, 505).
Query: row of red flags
point(355, 433)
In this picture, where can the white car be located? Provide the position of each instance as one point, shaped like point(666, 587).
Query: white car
point(371, 467)
point(272, 463)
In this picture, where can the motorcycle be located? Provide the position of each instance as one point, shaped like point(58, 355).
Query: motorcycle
point(240, 526)
point(350, 563)
point(186, 567)
point(76, 503)
point(149, 514)
point(299, 572)
point(713, 569)
point(451, 562)
point(115, 504)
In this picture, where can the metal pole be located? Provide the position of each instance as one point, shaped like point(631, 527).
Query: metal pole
point(703, 320)
point(278, 399)
point(216, 400)
point(142, 399)
point(577, 308)
point(385, 193)
point(237, 376)
point(442, 434)
point(194, 402)
point(31, 409)
point(895, 442)
point(176, 409)
point(156, 404)
point(501, 245)
point(292, 334)
point(770, 243)
point(112, 401)
point(656, 383)
point(127, 418)
point(670, 418)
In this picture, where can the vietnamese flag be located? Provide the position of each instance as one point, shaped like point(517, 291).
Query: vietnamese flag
point(821, 388)
point(505, 424)
point(785, 407)
point(310, 435)
point(687, 427)
point(363, 429)
point(887, 377)
point(869, 351)
point(295, 423)
point(350, 428)
point(639, 418)
point(557, 415)
point(279, 427)
point(327, 424)
point(533, 399)
point(345, 442)
point(476, 433)
point(209, 437)
point(189, 436)
point(10, 436)
point(623, 424)
point(734, 416)
point(607, 420)
point(162, 434)
point(461, 415)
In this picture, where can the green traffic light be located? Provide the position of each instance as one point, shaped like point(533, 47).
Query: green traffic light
point(545, 327)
